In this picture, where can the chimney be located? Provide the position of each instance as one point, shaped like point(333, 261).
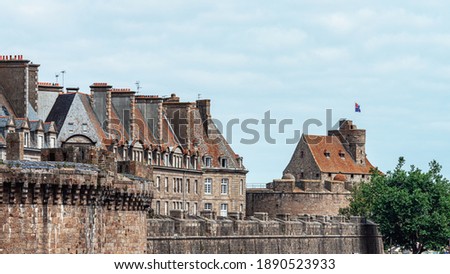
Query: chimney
point(123, 100)
point(19, 80)
point(204, 107)
point(101, 103)
point(14, 146)
point(151, 108)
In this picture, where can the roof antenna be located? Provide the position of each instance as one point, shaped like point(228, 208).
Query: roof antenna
point(57, 76)
point(199, 96)
point(138, 86)
point(62, 73)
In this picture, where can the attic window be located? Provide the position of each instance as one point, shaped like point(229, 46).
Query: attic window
point(326, 153)
point(207, 161)
point(341, 154)
point(302, 154)
point(84, 127)
point(70, 127)
point(224, 162)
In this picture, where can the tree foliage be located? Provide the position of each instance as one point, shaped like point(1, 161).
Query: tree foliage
point(412, 208)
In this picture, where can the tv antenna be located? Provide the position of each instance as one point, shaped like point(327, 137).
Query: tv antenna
point(62, 73)
point(57, 76)
point(199, 96)
point(138, 86)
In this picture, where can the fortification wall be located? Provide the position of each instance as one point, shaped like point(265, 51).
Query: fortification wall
point(295, 203)
point(319, 235)
point(47, 208)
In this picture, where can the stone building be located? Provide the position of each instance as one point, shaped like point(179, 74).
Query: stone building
point(319, 176)
point(18, 109)
point(174, 144)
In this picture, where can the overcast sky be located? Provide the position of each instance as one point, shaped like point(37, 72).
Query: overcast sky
point(293, 58)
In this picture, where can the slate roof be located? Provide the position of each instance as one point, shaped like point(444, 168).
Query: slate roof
point(5, 107)
point(93, 118)
point(60, 109)
point(318, 145)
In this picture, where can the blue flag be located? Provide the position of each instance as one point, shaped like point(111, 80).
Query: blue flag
point(357, 107)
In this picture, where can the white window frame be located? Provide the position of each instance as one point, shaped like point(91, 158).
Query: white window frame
point(208, 186)
point(224, 186)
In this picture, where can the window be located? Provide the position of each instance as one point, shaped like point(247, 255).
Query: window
point(174, 184)
point(317, 175)
point(196, 187)
point(188, 162)
point(208, 184)
point(241, 208)
point(363, 176)
point(188, 185)
point(40, 143)
point(327, 153)
point(26, 141)
point(158, 207)
point(241, 187)
point(52, 142)
point(158, 183)
point(224, 187)
point(71, 128)
point(166, 184)
point(186, 207)
point(166, 208)
point(341, 154)
point(208, 206)
point(223, 210)
point(84, 127)
point(301, 175)
point(207, 161)
point(194, 211)
point(302, 154)
point(224, 162)
point(351, 176)
point(194, 163)
point(166, 159)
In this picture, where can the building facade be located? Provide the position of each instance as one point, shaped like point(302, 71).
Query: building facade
point(174, 144)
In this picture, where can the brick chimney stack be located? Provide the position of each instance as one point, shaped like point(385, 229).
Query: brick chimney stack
point(101, 103)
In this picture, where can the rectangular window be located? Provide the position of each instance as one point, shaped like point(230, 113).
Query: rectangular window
point(26, 137)
point(166, 208)
point(241, 187)
point(52, 142)
point(166, 184)
point(208, 206)
point(174, 183)
point(224, 162)
point(158, 207)
point(158, 183)
point(196, 187)
point(40, 143)
point(208, 186)
point(188, 185)
point(195, 209)
point(71, 128)
point(224, 210)
point(224, 187)
point(84, 127)
point(207, 162)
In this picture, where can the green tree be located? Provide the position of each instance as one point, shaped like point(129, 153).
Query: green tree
point(412, 208)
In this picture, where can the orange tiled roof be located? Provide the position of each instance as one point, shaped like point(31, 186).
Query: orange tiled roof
point(334, 163)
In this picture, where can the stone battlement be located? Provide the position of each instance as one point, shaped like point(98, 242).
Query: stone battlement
point(256, 235)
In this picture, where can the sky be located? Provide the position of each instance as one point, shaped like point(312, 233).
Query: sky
point(295, 59)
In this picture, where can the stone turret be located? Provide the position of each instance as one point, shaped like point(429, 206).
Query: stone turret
point(353, 139)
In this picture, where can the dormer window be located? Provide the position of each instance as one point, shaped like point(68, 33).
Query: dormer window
point(166, 159)
point(224, 162)
point(207, 161)
point(84, 127)
point(327, 153)
point(341, 154)
point(71, 128)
